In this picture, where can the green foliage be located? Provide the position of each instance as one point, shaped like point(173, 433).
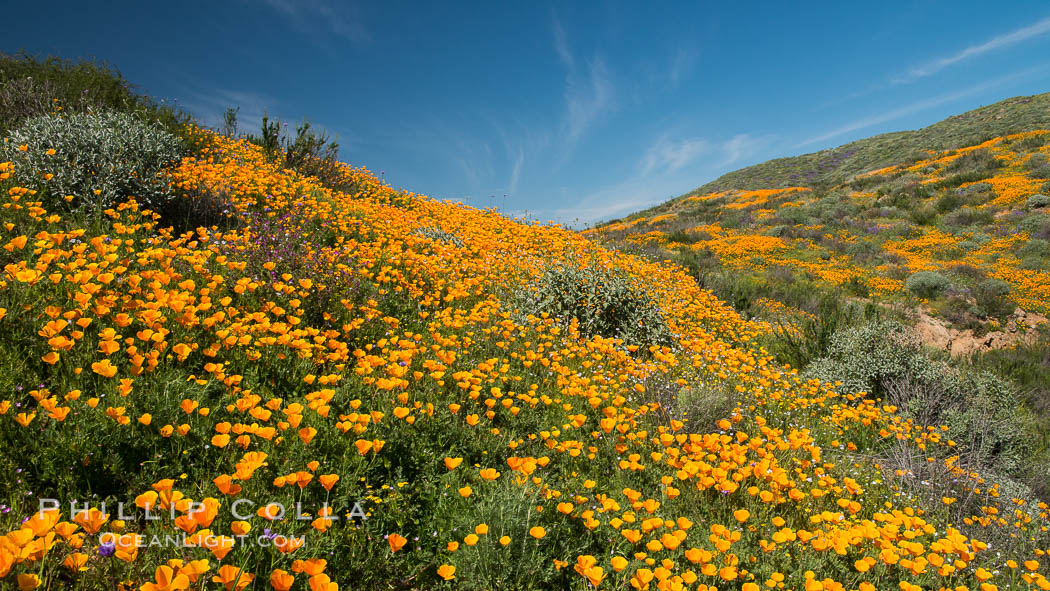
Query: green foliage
point(886, 360)
point(1043, 172)
point(962, 178)
point(948, 202)
point(1032, 263)
point(97, 158)
point(229, 122)
point(927, 284)
point(811, 338)
point(961, 313)
point(1036, 225)
point(604, 301)
point(1037, 201)
point(700, 404)
point(31, 87)
point(980, 412)
point(993, 296)
point(924, 216)
point(1034, 247)
point(982, 160)
point(1035, 254)
point(308, 152)
point(866, 358)
point(968, 216)
point(681, 236)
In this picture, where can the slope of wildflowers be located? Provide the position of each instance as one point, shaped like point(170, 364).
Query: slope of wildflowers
point(973, 214)
point(344, 390)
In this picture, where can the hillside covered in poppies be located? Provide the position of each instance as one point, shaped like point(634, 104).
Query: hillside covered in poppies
point(233, 362)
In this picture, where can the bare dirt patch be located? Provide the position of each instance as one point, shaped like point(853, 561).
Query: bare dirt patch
point(935, 332)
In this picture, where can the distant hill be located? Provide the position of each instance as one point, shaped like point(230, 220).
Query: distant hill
point(963, 199)
point(836, 165)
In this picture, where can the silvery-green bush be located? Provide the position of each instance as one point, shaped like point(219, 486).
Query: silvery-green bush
point(927, 284)
point(886, 360)
point(867, 358)
point(1038, 201)
point(605, 301)
point(98, 158)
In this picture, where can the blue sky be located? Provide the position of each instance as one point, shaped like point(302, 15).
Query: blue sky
point(572, 112)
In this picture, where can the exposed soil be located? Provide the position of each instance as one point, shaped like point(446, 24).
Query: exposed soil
point(935, 332)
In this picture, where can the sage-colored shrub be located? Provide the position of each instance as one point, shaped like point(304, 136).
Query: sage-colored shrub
point(993, 296)
point(867, 358)
point(886, 360)
point(1037, 201)
point(97, 158)
point(927, 284)
point(604, 300)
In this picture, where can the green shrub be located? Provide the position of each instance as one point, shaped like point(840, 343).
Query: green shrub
point(958, 310)
point(993, 296)
point(97, 158)
point(605, 302)
point(1036, 225)
point(31, 87)
point(968, 216)
point(961, 179)
point(1034, 263)
point(810, 337)
point(982, 415)
point(1034, 247)
point(682, 237)
point(948, 202)
point(885, 359)
point(927, 284)
point(924, 216)
point(867, 357)
point(1037, 201)
point(969, 271)
point(1041, 173)
point(1030, 143)
point(310, 153)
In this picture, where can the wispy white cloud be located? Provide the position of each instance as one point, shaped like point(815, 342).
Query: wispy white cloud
point(561, 44)
point(934, 66)
point(515, 174)
point(210, 106)
point(607, 203)
point(1002, 41)
point(681, 65)
point(588, 90)
point(666, 169)
point(666, 156)
point(918, 107)
point(340, 18)
point(742, 146)
point(586, 98)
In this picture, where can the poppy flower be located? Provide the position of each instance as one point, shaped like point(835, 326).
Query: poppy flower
point(447, 572)
point(167, 580)
point(396, 542)
point(281, 580)
point(232, 577)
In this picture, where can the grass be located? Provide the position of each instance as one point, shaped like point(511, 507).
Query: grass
point(31, 86)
